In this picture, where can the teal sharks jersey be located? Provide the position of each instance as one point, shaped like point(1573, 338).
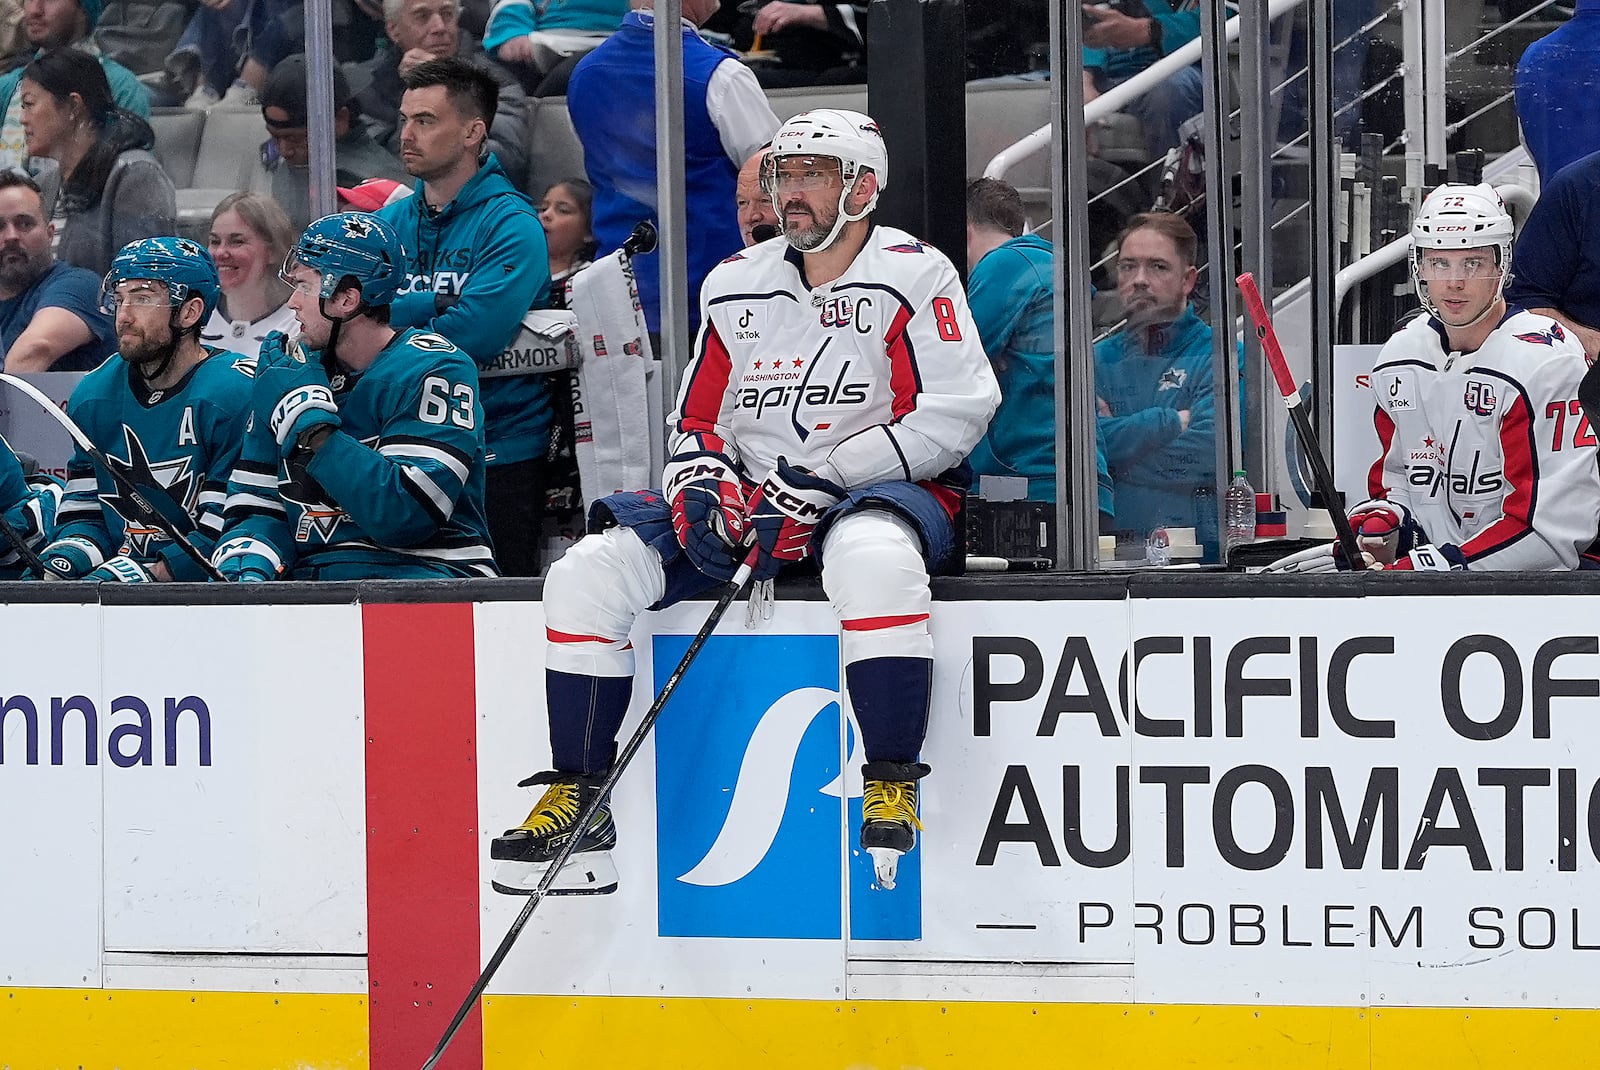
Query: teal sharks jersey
point(177, 446)
point(395, 493)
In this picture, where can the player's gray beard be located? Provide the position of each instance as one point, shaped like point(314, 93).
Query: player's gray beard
point(808, 238)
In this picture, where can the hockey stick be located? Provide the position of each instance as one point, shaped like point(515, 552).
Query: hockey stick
point(1297, 414)
point(146, 510)
point(730, 591)
point(24, 551)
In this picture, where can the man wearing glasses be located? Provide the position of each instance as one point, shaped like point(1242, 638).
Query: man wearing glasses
point(1488, 459)
point(837, 385)
point(170, 415)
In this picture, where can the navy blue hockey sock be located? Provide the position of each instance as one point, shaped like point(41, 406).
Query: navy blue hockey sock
point(890, 697)
point(585, 716)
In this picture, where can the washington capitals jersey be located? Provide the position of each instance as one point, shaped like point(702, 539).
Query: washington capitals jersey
point(880, 373)
point(177, 446)
point(1489, 450)
point(396, 492)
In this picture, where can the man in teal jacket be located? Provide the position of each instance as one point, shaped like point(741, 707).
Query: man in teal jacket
point(1011, 292)
point(478, 262)
point(1156, 386)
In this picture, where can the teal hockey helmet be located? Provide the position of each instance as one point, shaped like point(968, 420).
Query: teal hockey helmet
point(184, 266)
point(355, 245)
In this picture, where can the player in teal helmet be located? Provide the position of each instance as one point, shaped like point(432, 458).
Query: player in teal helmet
point(170, 416)
point(366, 457)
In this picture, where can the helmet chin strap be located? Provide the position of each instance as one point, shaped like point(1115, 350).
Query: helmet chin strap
point(332, 349)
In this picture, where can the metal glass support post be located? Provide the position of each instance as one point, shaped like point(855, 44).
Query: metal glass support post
point(1435, 70)
point(1415, 91)
point(319, 107)
point(1324, 192)
point(670, 211)
point(1255, 209)
point(1077, 482)
point(1221, 163)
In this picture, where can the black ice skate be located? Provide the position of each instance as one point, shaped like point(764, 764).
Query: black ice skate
point(523, 854)
point(889, 822)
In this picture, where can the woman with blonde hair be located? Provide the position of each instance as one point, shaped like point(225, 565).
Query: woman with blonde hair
point(250, 238)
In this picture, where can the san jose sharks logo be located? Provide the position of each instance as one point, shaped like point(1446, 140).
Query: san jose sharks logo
point(357, 227)
point(170, 486)
point(318, 515)
point(1172, 379)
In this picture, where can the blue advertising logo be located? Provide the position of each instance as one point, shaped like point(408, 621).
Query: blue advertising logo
point(752, 828)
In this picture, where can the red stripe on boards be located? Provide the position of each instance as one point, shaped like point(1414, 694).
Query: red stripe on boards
point(422, 814)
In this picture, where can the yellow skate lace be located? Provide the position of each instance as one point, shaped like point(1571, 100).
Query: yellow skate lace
point(891, 800)
point(556, 809)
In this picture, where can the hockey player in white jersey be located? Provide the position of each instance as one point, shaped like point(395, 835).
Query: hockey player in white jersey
point(1488, 459)
point(837, 385)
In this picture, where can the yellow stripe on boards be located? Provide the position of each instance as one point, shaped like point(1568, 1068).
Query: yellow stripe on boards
point(97, 1029)
point(689, 1034)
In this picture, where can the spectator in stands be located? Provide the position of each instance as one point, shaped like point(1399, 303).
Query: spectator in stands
point(208, 60)
point(1118, 46)
point(275, 30)
point(286, 156)
point(1557, 273)
point(816, 42)
point(726, 120)
point(426, 29)
point(567, 214)
point(140, 34)
point(14, 50)
point(753, 204)
point(250, 239)
point(478, 263)
point(1155, 385)
point(50, 316)
point(1558, 92)
point(566, 211)
point(532, 38)
point(1011, 289)
point(53, 24)
point(113, 190)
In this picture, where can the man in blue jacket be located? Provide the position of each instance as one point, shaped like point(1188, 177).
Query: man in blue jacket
point(1010, 290)
point(726, 119)
point(478, 262)
point(1156, 386)
point(1556, 99)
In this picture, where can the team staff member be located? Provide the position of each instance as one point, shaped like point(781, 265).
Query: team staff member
point(837, 385)
point(478, 262)
point(1488, 463)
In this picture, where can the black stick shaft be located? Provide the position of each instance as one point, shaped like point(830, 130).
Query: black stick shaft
point(24, 551)
point(729, 592)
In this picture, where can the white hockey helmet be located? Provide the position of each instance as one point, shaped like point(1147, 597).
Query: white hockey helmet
point(850, 137)
point(1461, 216)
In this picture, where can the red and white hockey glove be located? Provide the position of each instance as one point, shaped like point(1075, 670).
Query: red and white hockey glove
point(708, 509)
point(785, 510)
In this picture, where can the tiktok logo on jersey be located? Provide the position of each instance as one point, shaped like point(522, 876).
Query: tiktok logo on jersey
point(758, 806)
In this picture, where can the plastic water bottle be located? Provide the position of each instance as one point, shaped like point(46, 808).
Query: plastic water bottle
point(1239, 509)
